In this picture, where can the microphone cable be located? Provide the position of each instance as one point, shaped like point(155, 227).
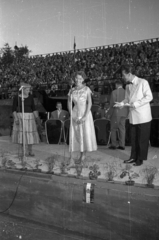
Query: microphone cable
point(15, 194)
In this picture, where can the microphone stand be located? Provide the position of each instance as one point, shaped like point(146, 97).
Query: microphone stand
point(71, 126)
point(71, 150)
point(71, 162)
point(23, 157)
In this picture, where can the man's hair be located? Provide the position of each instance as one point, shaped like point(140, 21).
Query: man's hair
point(128, 69)
point(119, 82)
point(58, 103)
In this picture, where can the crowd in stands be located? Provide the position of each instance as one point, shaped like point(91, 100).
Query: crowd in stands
point(101, 65)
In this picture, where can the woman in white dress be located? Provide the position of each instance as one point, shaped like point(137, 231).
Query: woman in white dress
point(82, 132)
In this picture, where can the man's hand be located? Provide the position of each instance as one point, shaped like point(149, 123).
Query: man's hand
point(132, 105)
point(119, 104)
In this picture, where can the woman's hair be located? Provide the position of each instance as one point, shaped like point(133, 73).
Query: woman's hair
point(25, 85)
point(81, 73)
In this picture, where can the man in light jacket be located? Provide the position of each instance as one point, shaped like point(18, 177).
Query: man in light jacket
point(137, 97)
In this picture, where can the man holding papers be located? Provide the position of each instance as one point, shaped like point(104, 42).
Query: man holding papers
point(138, 97)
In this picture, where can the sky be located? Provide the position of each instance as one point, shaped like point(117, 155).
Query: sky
point(48, 26)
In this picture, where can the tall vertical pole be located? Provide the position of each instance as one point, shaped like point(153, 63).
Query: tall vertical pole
point(71, 126)
point(74, 52)
point(23, 157)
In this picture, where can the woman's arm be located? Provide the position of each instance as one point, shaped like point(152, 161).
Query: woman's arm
point(14, 108)
point(36, 115)
point(69, 104)
point(15, 116)
point(35, 112)
point(88, 106)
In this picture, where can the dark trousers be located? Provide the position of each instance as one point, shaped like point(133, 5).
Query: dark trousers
point(140, 134)
point(118, 124)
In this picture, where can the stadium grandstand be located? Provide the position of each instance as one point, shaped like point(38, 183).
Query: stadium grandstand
point(52, 72)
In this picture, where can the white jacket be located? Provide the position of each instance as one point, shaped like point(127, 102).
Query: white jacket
point(139, 93)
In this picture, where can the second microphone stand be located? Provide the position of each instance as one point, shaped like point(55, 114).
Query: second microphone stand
point(71, 138)
point(23, 128)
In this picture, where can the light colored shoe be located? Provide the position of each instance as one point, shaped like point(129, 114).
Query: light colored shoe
point(83, 158)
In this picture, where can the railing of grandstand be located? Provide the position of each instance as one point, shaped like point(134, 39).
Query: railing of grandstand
point(106, 86)
point(61, 89)
point(97, 47)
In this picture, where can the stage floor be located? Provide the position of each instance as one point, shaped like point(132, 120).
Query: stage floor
point(103, 157)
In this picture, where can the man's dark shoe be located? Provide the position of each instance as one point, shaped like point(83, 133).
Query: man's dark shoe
point(138, 163)
point(130, 161)
point(121, 148)
point(112, 147)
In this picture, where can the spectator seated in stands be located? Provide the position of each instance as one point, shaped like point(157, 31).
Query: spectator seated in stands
point(1, 95)
point(100, 65)
point(52, 91)
point(59, 113)
point(95, 96)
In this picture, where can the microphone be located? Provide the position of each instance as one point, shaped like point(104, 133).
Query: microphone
point(71, 82)
point(21, 88)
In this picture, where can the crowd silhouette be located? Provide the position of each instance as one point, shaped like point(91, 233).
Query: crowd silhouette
point(52, 72)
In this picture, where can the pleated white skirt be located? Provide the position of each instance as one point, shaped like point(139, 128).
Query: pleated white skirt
point(30, 129)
